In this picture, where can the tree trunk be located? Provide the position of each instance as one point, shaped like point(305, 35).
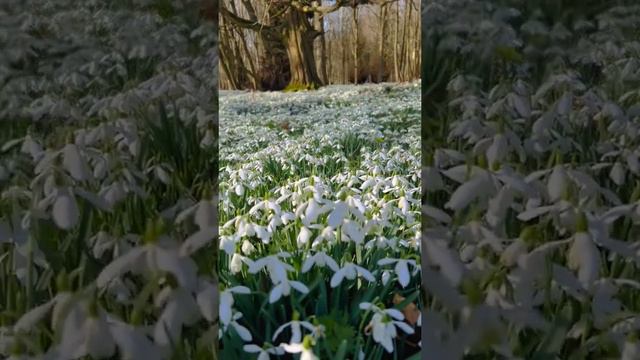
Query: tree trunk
point(345, 68)
point(272, 72)
point(405, 46)
point(298, 37)
point(381, 36)
point(329, 64)
point(417, 45)
point(355, 45)
point(321, 48)
point(395, 44)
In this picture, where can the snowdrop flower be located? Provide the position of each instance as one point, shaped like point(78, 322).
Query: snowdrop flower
point(319, 259)
point(470, 190)
point(74, 163)
point(236, 263)
point(242, 331)
point(205, 214)
point(303, 236)
point(497, 150)
point(617, 174)
point(179, 309)
point(276, 268)
point(449, 262)
point(584, 256)
point(151, 257)
point(263, 353)
point(226, 302)
point(305, 349)
point(198, 240)
point(350, 271)
point(327, 234)
point(247, 248)
point(384, 325)
point(133, 342)
point(65, 210)
point(401, 269)
point(228, 243)
point(558, 180)
point(27, 322)
point(337, 215)
point(296, 328)
point(283, 288)
point(386, 276)
point(352, 231)
point(86, 332)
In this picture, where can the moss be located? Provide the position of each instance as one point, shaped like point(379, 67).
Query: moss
point(293, 87)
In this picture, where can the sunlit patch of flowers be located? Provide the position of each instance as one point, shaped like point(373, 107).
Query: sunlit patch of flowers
point(319, 222)
point(106, 125)
point(532, 194)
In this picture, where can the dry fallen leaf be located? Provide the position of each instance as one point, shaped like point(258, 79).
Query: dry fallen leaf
point(411, 312)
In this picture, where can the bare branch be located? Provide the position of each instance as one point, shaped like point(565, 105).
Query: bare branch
point(325, 10)
point(241, 22)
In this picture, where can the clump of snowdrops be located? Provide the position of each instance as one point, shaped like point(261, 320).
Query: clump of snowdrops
point(319, 223)
point(532, 184)
point(107, 179)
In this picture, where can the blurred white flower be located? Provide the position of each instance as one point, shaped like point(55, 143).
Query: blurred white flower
point(584, 257)
point(65, 210)
point(263, 354)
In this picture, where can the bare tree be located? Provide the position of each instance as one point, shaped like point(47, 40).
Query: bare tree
point(309, 43)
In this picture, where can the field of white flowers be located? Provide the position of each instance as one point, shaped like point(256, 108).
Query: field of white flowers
point(532, 177)
point(107, 170)
point(319, 223)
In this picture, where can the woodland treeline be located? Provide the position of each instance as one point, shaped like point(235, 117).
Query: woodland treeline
point(302, 44)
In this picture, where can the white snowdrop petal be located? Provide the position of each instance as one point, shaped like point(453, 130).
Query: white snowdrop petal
point(30, 319)
point(450, 266)
point(242, 331)
point(206, 300)
point(74, 163)
point(584, 256)
point(402, 270)
point(436, 214)
point(498, 149)
point(404, 327)
point(337, 215)
point(276, 293)
point(467, 192)
point(396, 314)
point(336, 279)
point(292, 348)
point(198, 240)
point(299, 286)
point(100, 343)
point(303, 236)
point(252, 348)
point(617, 174)
point(557, 182)
point(65, 211)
